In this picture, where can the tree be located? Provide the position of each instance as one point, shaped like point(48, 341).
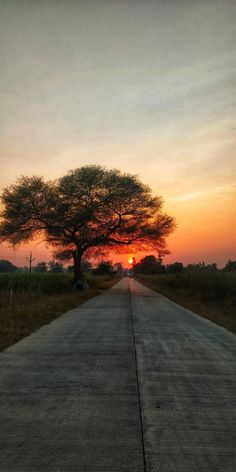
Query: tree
point(149, 265)
point(7, 266)
point(41, 267)
point(89, 209)
point(231, 265)
point(55, 266)
point(104, 268)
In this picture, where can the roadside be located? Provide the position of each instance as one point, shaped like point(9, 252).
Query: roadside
point(25, 311)
point(221, 312)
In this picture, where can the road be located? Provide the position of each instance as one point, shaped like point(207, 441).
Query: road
point(129, 382)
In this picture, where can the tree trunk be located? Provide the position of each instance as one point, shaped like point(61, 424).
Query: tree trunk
point(77, 265)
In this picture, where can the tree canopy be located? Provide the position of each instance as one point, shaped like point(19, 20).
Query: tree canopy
point(89, 209)
point(149, 265)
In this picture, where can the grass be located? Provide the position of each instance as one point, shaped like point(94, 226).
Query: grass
point(28, 301)
point(211, 294)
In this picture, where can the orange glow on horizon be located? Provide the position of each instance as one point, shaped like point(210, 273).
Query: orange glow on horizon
point(206, 231)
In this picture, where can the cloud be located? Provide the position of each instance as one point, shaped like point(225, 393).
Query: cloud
point(186, 197)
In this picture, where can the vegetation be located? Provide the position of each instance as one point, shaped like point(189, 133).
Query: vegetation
point(40, 267)
point(87, 210)
point(231, 265)
point(55, 266)
point(207, 291)
point(28, 301)
point(7, 266)
point(104, 268)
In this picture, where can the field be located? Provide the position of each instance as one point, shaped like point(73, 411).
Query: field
point(210, 293)
point(28, 301)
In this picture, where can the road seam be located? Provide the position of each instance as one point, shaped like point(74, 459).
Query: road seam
point(138, 384)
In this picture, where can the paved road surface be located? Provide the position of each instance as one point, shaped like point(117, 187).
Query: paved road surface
point(129, 381)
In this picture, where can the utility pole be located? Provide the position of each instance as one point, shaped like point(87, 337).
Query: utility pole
point(30, 259)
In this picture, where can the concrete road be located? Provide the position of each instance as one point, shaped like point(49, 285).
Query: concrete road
point(129, 381)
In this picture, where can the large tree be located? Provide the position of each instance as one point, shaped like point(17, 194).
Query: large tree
point(89, 209)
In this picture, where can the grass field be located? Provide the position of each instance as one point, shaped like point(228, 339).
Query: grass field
point(212, 294)
point(28, 301)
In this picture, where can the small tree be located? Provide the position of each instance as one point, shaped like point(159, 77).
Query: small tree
point(55, 266)
point(231, 265)
point(88, 209)
point(104, 268)
point(40, 267)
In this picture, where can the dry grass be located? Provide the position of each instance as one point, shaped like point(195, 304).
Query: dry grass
point(25, 311)
point(221, 311)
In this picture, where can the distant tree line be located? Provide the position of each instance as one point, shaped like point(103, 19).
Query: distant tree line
point(151, 265)
point(52, 266)
point(148, 265)
point(103, 268)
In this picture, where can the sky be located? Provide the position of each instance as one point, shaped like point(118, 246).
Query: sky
point(146, 87)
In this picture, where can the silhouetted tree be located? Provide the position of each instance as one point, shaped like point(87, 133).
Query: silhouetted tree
point(149, 265)
point(231, 265)
point(55, 266)
point(87, 209)
point(40, 267)
point(104, 268)
point(7, 266)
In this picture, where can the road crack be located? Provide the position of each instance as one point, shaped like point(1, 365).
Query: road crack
point(138, 382)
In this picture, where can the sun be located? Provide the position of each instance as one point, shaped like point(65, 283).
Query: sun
point(131, 260)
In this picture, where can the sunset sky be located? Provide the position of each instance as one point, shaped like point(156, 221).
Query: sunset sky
point(144, 86)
